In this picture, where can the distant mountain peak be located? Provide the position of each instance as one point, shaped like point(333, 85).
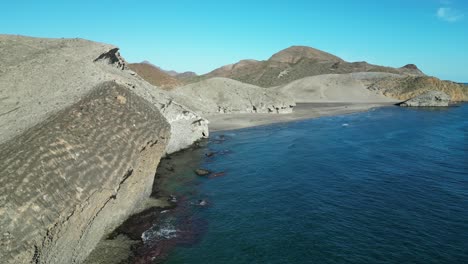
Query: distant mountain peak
point(297, 62)
point(172, 73)
point(295, 53)
point(410, 67)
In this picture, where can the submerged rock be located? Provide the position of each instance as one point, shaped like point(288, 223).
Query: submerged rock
point(210, 154)
point(428, 99)
point(202, 172)
point(218, 174)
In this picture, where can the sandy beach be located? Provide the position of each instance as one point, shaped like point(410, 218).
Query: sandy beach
point(302, 111)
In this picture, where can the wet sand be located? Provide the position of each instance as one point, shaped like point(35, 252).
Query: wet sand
point(302, 111)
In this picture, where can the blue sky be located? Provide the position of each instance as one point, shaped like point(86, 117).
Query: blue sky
point(203, 35)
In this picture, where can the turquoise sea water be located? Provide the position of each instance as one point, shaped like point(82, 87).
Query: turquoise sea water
point(385, 186)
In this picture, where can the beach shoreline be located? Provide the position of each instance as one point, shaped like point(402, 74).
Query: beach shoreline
point(303, 111)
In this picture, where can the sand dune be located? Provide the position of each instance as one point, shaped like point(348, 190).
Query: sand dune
point(351, 88)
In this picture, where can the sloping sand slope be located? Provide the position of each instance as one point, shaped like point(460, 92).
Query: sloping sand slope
point(350, 88)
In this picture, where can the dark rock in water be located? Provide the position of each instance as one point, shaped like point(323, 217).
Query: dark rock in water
point(428, 99)
point(172, 199)
point(202, 172)
point(210, 154)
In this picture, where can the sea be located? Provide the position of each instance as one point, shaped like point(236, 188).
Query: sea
point(389, 185)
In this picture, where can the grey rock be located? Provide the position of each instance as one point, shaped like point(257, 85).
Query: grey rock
point(39, 77)
point(71, 179)
point(80, 140)
point(225, 96)
point(428, 99)
point(202, 172)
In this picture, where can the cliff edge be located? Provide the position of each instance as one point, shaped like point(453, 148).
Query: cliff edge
point(80, 140)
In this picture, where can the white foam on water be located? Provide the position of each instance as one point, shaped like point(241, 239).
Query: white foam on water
point(159, 232)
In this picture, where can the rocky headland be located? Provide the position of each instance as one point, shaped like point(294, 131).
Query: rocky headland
point(428, 99)
point(81, 137)
point(407, 87)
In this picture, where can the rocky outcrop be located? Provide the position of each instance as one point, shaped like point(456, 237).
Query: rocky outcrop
point(224, 96)
point(80, 140)
point(407, 87)
point(72, 178)
point(428, 99)
point(68, 67)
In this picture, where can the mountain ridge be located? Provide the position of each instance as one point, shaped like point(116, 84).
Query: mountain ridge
point(294, 63)
point(172, 73)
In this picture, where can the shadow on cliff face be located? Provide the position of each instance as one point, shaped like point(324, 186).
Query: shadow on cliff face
point(172, 219)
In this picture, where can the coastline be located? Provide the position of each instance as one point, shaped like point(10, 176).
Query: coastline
point(176, 171)
point(303, 111)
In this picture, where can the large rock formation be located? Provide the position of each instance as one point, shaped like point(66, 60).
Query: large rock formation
point(80, 140)
point(428, 99)
point(296, 63)
point(412, 86)
point(61, 71)
point(69, 180)
point(337, 88)
point(221, 95)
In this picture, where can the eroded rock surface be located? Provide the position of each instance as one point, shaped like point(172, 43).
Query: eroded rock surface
point(41, 76)
point(428, 99)
point(222, 95)
point(411, 86)
point(66, 182)
point(80, 140)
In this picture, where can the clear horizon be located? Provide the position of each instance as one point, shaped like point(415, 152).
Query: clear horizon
point(202, 36)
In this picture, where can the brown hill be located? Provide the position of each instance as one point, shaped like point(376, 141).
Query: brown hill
point(155, 76)
point(294, 54)
point(296, 63)
point(177, 75)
